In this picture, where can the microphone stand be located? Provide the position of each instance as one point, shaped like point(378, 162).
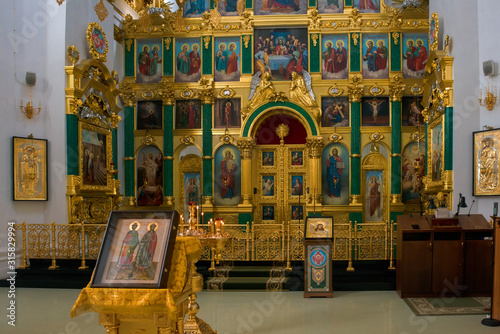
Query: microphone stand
point(489, 321)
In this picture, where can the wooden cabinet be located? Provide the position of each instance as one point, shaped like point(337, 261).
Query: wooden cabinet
point(439, 261)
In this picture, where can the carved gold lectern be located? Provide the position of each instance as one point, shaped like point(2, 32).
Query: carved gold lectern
point(127, 311)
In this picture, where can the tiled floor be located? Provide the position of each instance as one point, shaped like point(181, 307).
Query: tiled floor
point(46, 311)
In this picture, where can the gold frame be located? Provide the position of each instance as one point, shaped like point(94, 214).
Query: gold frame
point(92, 48)
point(109, 187)
point(433, 36)
point(22, 178)
point(489, 157)
point(432, 125)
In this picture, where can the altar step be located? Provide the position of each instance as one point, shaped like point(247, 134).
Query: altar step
point(367, 276)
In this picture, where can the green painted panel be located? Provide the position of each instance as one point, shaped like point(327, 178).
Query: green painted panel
point(207, 58)
point(168, 58)
point(128, 125)
point(247, 57)
point(396, 175)
point(355, 127)
point(394, 216)
point(168, 134)
point(312, 214)
point(212, 4)
point(266, 106)
point(207, 177)
point(355, 176)
point(207, 129)
point(314, 58)
point(129, 178)
point(312, 3)
point(355, 217)
point(348, 3)
point(396, 53)
point(244, 218)
point(448, 138)
point(396, 127)
point(72, 157)
point(355, 50)
point(248, 4)
point(130, 58)
point(168, 177)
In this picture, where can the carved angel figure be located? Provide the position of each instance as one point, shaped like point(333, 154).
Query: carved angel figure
point(300, 89)
point(261, 89)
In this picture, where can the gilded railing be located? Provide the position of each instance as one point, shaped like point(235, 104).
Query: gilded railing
point(261, 242)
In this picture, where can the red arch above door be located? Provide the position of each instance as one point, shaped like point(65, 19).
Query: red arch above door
point(266, 133)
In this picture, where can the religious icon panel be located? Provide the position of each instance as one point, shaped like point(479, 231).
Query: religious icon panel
point(297, 212)
point(412, 111)
point(412, 172)
point(268, 158)
point(227, 180)
point(94, 149)
point(228, 8)
point(437, 152)
point(137, 250)
point(188, 60)
point(375, 56)
point(330, 6)
point(486, 159)
point(335, 175)
point(227, 113)
point(192, 192)
point(280, 7)
point(30, 169)
point(415, 52)
point(374, 204)
point(297, 185)
point(188, 114)
point(268, 212)
point(195, 8)
point(375, 111)
point(367, 6)
point(297, 158)
point(149, 61)
point(335, 111)
point(281, 52)
point(149, 115)
point(268, 185)
point(149, 179)
point(227, 59)
point(335, 57)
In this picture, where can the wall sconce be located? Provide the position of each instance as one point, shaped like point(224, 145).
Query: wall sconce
point(29, 110)
point(489, 100)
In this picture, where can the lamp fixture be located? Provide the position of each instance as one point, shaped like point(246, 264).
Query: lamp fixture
point(461, 204)
point(490, 98)
point(29, 110)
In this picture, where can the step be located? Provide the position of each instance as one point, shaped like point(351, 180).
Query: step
point(248, 283)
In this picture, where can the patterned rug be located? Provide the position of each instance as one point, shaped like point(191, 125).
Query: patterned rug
point(449, 306)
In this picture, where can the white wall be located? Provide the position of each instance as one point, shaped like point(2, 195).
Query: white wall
point(35, 37)
point(488, 28)
point(459, 20)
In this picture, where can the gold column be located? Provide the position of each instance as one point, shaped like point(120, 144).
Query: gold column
point(315, 146)
point(246, 146)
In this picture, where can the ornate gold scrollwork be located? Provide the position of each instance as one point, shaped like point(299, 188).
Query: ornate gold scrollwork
point(187, 139)
point(206, 41)
point(355, 37)
point(335, 137)
point(315, 147)
point(127, 94)
point(315, 38)
point(168, 40)
point(355, 89)
point(226, 138)
point(247, 22)
point(335, 90)
point(355, 20)
point(166, 92)
point(148, 140)
point(246, 40)
point(314, 20)
point(246, 146)
point(206, 92)
point(227, 92)
point(395, 37)
point(187, 93)
point(376, 90)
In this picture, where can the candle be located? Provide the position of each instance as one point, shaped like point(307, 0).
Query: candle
point(222, 227)
point(495, 209)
